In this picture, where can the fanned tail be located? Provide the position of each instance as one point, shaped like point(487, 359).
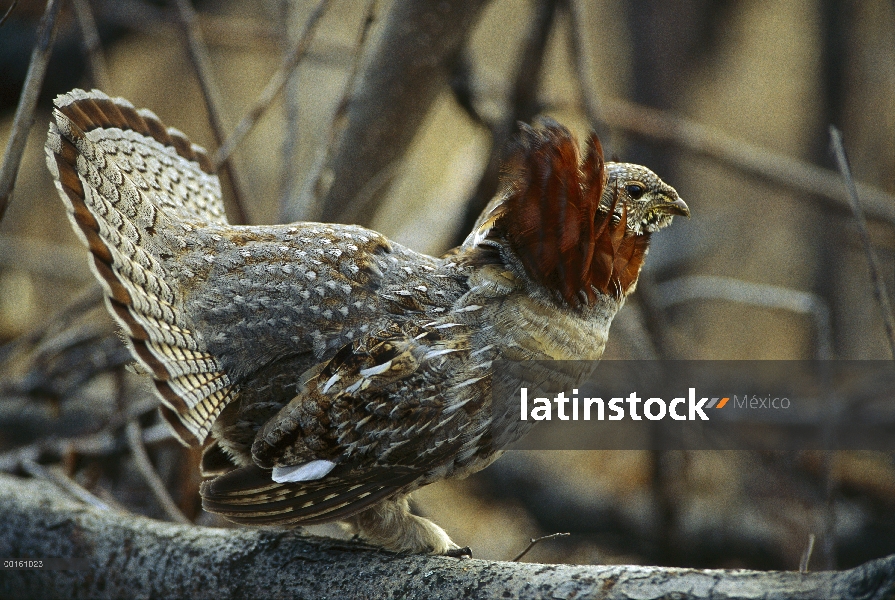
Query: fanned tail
point(248, 496)
point(132, 188)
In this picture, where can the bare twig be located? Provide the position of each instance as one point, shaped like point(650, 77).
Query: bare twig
point(21, 123)
point(879, 286)
point(292, 110)
point(104, 442)
point(98, 444)
point(66, 483)
point(144, 465)
point(157, 434)
point(8, 12)
point(464, 90)
point(806, 555)
point(535, 541)
point(587, 92)
point(685, 289)
point(666, 127)
point(523, 106)
point(92, 44)
point(86, 299)
point(335, 125)
point(202, 64)
point(274, 86)
point(44, 258)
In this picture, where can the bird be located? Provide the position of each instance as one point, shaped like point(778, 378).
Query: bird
point(327, 371)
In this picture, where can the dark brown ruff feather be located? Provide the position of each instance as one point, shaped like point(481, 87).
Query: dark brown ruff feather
point(553, 220)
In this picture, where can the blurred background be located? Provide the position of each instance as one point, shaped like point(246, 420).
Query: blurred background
point(394, 114)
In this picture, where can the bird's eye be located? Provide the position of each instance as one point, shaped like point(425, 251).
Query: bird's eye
point(635, 190)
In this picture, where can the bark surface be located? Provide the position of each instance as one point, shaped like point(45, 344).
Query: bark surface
point(135, 557)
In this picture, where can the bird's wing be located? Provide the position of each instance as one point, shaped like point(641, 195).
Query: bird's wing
point(206, 305)
point(259, 293)
point(372, 422)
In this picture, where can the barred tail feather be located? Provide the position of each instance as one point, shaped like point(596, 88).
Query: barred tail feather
point(249, 496)
point(130, 185)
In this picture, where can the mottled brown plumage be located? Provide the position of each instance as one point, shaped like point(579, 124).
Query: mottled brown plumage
point(328, 371)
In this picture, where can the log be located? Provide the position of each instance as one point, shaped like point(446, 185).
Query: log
point(131, 556)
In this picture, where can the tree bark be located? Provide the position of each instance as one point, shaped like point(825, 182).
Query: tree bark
point(391, 99)
point(131, 556)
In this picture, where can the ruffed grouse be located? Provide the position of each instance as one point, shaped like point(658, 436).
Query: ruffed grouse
point(327, 370)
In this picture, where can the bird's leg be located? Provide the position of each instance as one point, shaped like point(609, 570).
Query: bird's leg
point(390, 524)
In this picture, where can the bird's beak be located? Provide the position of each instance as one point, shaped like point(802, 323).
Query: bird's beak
point(678, 207)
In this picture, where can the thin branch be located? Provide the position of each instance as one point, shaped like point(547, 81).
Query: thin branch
point(879, 286)
point(523, 106)
point(44, 258)
point(21, 124)
point(701, 287)
point(87, 298)
point(104, 442)
point(274, 86)
point(92, 44)
point(666, 127)
point(587, 92)
point(8, 12)
point(66, 483)
point(325, 153)
point(402, 76)
point(198, 52)
point(292, 109)
point(157, 434)
point(806, 555)
point(535, 541)
point(144, 466)
point(463, 89)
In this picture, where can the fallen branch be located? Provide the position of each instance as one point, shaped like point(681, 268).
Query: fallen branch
point(135, 557)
